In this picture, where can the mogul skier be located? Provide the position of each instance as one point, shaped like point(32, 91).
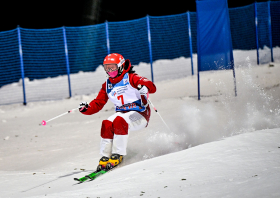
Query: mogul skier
point(128, 92)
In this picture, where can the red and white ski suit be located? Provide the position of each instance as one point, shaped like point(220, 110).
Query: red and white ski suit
point(132, 110)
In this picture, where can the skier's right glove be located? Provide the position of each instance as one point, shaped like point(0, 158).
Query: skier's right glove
point(83, 106)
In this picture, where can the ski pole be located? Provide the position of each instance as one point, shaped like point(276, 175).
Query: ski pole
point(150, 102)
point(157, 112)
point(45, 122)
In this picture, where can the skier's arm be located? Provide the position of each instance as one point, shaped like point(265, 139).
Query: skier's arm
point(98, 103)
point(139, 80)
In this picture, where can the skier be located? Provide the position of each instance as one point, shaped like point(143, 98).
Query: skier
point(128, 91)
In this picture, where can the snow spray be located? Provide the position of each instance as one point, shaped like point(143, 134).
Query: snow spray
point(150, 102)
point(256, 107)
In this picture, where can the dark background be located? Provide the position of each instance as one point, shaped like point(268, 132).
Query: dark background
point(51, 14)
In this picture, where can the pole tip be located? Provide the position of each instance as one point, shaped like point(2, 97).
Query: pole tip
point(43, 123)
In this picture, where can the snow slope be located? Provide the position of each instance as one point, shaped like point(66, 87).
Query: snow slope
point(245, 165)
point(221, 146)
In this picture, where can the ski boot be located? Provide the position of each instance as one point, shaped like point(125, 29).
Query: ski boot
point(114, 160)
point(102, 163)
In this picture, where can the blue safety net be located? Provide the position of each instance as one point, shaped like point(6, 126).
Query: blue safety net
point(213, 36)
point(242, 27)
point(275, 22)
point(87, 47)
point(193, 31)
point(43, 53)
point(263, 28)
point(44, 57)
point(263, 11)
point(165, 45)
point(10, 70)
point(60, 54)
point(130, 39)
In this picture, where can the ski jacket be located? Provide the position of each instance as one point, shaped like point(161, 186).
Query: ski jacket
point(134, 80)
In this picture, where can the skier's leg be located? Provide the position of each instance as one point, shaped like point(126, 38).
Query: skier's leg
point(107, 135)
point(122, 125)
point(120, 128)
point(135, 121)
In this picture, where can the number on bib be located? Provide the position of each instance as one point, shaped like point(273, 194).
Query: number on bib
point(121, 97)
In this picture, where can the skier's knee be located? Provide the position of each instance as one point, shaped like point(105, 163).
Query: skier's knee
point(107, 130)
point(120, 126)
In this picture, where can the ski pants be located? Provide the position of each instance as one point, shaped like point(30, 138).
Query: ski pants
point(115, 131)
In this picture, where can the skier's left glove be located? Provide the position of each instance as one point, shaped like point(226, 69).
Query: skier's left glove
point(144, 90)
point(83, 106)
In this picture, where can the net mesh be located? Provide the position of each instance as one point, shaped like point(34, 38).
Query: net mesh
point(48, 53)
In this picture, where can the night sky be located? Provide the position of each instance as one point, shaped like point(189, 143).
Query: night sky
point(51, 14)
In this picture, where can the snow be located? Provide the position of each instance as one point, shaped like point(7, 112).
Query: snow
point(220, 146)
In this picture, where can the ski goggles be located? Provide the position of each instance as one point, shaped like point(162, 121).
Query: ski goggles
point(110, 67)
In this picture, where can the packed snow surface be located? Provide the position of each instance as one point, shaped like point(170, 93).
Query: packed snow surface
point(221, 146)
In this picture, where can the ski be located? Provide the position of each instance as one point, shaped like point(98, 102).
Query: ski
point(82, 179)
point(93, 175)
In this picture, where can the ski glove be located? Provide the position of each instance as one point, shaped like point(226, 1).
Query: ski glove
point(83, 106)
point(144, 90)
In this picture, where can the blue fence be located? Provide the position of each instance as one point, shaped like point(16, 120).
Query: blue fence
point(40, 54)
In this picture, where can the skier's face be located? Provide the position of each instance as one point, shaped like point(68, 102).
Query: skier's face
point(110, 67)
